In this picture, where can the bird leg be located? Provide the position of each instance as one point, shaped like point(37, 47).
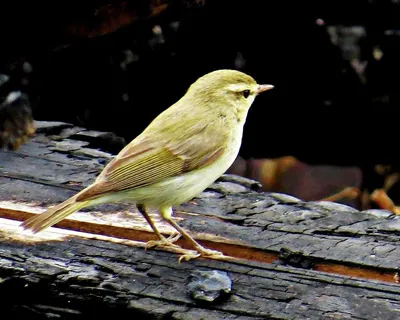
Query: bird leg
point(166, 213)
point(162, 241)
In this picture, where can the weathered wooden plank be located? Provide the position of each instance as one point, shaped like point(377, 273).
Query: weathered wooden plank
point(329, 231)
point(79, 278)
point(266, 221)
point(104, 267)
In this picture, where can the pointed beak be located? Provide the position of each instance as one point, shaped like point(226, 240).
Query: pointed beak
point(264, 87)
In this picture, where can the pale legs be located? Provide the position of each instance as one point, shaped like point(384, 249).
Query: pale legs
point(166, 214)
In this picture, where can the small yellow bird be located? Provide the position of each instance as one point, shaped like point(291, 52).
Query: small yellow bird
point(182, 152)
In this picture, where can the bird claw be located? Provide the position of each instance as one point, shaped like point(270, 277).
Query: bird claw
point(188, 256)
point(211, 253)
point(173, 238)
point(164, 242)
point(185, 253)
point(201, 252)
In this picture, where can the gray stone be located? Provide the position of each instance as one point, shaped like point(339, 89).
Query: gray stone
point(209, 285)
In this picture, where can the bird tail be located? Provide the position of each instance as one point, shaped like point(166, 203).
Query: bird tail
point(53, 215)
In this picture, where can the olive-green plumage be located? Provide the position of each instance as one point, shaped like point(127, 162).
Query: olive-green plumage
point(182, 151)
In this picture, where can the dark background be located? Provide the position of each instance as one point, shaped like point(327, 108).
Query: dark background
point(323, 110)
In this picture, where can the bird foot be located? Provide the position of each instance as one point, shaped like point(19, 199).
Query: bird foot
point(164, 242)
point(190, 254)
point(207, 253)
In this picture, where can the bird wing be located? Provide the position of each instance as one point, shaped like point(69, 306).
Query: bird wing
point(148, 161)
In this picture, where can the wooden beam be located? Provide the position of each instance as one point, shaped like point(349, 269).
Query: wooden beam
point(286, 258)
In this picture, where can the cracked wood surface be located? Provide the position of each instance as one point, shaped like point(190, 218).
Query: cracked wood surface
point(82, 278)
point(231, 216)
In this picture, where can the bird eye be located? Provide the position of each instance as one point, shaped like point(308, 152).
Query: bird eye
point(246, 93)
